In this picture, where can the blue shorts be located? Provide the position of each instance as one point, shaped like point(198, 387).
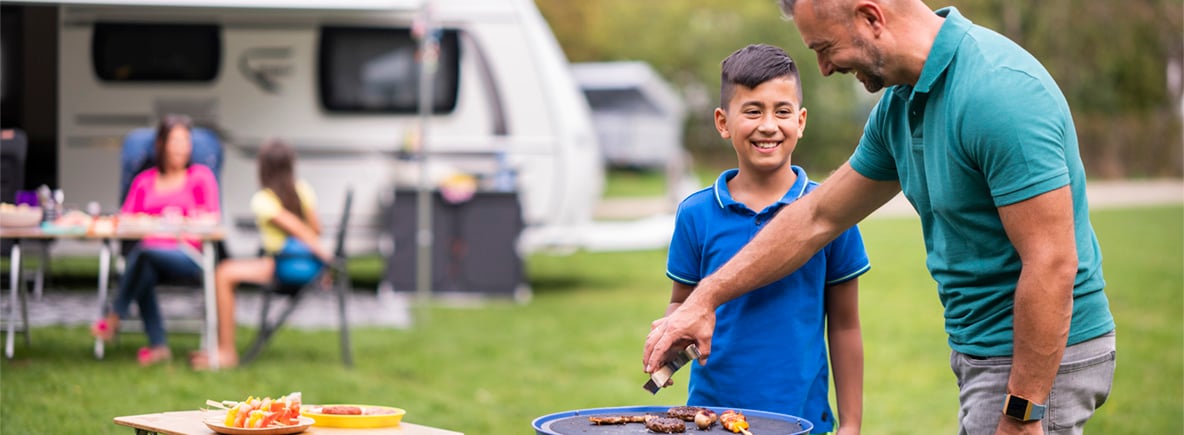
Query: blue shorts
point(295, 264)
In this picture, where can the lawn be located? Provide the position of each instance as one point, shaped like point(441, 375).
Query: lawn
point(577, 344)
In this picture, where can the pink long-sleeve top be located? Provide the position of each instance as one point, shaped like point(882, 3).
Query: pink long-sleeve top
point(199, 194)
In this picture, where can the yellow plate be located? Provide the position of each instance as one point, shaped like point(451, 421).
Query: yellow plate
point(389, 416)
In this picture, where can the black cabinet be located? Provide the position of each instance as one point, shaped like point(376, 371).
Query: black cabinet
point(474, 249)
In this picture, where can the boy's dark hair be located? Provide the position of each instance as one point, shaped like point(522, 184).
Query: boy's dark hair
point(752, 65)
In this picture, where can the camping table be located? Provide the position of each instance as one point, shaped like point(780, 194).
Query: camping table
point(190, 423)
point(34, 233)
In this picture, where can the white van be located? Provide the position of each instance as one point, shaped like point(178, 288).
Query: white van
point(338, 80)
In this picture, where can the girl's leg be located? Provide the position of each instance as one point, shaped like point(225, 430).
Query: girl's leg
point(227, 277)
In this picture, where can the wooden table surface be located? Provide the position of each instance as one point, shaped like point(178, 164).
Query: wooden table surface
point(190, 423)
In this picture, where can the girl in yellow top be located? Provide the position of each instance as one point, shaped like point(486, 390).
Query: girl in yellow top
point(288, 226)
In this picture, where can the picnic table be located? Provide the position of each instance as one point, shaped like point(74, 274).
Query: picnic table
point(191, 423)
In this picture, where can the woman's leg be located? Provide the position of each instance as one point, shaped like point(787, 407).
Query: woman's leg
point(157, 264)
point(227, 277)
point(128, 292)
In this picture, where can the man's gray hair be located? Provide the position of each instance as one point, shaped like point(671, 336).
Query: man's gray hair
point(787, 8)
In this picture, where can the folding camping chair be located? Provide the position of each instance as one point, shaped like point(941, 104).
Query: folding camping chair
point(294, 294)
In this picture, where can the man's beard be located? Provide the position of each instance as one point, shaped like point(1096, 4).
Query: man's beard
point(873, 78)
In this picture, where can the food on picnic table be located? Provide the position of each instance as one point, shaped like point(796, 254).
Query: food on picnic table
point(349, 410)
point(665, 424)
point(341, 410)
point(256, 413)
point(735, 422)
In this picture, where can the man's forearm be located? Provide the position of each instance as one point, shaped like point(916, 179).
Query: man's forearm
point(784, 245)
point(1043, 311)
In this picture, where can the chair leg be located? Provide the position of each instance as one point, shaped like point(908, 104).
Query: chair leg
point(343, 322)
point(25, 313)
point(268, 329)
point(262, 335)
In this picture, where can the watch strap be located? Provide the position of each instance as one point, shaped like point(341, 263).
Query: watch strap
point(1022, 409)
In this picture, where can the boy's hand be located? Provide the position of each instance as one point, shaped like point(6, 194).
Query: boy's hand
point(690, 323)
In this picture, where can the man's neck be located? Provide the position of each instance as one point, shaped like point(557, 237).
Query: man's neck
point(919, 27)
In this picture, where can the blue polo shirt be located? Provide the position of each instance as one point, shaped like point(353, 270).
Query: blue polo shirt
point(768, 351)
point(985, 126)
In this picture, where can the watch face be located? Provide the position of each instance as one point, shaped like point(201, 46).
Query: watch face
point(1016, 407)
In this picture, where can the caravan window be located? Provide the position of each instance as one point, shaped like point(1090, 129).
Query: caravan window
point(374, 70)
point(156, 52)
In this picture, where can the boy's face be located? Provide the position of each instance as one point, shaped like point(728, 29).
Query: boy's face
point(763, 124)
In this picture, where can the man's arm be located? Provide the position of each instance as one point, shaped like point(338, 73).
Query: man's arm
point(791, 238)
point(1041, 228)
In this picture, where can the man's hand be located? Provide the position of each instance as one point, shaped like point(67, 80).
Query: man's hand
point(690, 323)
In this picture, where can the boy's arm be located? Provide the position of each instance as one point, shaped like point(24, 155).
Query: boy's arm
point(678, 293)
point(846, 353)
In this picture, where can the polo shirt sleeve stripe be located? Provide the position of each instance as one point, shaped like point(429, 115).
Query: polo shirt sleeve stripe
point(683, 280)
point(851, 275)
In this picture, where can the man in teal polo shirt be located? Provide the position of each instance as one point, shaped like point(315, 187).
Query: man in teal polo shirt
point(981, 141)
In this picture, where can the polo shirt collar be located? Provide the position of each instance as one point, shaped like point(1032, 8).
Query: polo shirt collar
point(723, 197)
point(944, 47)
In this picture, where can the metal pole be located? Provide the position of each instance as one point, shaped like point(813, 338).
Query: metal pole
point(427, 67)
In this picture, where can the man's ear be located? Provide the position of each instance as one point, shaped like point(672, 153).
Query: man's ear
point(870, 14)
point(721, 123)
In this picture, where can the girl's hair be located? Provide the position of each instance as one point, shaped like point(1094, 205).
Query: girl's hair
point(276, 159)
point(166, 126)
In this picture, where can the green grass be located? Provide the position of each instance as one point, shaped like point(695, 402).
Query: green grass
point(577, 344)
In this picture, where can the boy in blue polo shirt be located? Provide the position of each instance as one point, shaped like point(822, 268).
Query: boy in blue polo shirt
point(769, 351)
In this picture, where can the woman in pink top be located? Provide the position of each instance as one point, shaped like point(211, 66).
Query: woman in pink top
point(173, 189)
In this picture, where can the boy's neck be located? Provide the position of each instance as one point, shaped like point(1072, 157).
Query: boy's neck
point(759, 189)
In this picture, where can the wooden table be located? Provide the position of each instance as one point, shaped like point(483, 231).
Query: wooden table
point(190, 423)
point(35, 233)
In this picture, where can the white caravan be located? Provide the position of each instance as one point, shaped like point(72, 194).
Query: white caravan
point(336, 79)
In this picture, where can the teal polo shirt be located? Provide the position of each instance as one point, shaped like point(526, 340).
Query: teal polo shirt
point(985, 126)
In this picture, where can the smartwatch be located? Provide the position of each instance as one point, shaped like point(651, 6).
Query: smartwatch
point(1022, 409)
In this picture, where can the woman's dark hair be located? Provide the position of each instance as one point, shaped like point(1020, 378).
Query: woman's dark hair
point(166, 126)
point(276, 160)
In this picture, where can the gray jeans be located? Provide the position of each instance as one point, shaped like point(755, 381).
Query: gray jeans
point(1082, 385)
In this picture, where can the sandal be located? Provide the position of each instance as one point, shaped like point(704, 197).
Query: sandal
point(103, 329)
point(152, 355)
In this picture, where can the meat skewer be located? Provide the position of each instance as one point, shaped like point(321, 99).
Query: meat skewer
point(735, 422)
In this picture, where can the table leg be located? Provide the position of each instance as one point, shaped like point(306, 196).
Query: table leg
point(104, 281)
point(207, 257)
point(14, 265)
